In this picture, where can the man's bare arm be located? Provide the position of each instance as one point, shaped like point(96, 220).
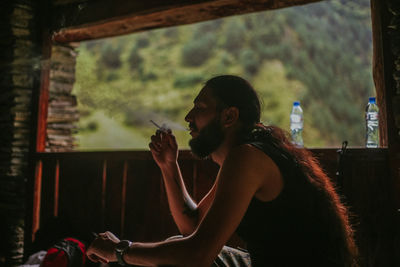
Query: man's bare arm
point(243, 174)
point(186, 213)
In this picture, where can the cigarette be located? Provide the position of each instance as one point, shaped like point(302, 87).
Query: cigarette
point(161, 128)
point(158, 126)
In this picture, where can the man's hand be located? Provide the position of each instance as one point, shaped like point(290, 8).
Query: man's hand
point(102, 248)
point(164, 148)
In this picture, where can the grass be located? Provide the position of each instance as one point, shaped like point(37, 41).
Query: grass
point(111, 134)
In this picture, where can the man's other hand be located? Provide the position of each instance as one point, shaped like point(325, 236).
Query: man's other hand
point(102, 248)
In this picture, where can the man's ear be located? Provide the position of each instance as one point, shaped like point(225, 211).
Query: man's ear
point(230, 116)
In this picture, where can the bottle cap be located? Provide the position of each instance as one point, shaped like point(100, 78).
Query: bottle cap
point(371, 100)
point(296, 103)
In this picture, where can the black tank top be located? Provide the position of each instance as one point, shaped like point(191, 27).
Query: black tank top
point(289, 230)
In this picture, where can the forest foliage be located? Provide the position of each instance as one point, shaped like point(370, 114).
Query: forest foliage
point(319, 54)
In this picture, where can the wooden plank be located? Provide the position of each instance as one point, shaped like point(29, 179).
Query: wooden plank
point(43, 101)
point(56, 188)
point(205, 172)
point(113, 196)
point(80, 193)
point(378, 69)
point(101, 155)
point(36, 201)
point(103, 191)
point(48, 194)
point(106, 18)
point(383, 70)
point(135, 205)
point(160, 217)
point(187, 173)
point(123, 196)
point(328, 160)
point(147, 216)
point(39, 101)
point(366, 188)
point(185, 154)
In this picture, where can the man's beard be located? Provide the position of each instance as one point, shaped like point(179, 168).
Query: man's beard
point(208, 140)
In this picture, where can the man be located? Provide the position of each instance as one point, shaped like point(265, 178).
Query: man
point(272, 193)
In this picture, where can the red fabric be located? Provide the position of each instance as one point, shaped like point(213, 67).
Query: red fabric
point(58, 258)
point(81, 246)
point(55, 257)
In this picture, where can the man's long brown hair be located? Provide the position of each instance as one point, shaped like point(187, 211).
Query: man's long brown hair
point(233, 91)
point(334, 212)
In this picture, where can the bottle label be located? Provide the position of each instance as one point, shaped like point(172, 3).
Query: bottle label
point(372, 116)
point(295, 118)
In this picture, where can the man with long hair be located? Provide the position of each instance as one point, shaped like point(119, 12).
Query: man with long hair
point(272, 193)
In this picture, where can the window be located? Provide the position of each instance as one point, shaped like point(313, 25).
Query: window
point(319, 54)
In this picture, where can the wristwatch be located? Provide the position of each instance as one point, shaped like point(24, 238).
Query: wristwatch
point(120, 249)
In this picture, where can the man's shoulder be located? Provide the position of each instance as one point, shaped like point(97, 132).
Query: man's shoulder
point(250, 154)
point(252, 164)
point(246, 149)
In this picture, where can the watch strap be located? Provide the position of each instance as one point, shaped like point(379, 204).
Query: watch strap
point(120, 254)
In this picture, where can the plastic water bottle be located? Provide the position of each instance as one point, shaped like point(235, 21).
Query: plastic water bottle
point(296, 124)
point(372, 123)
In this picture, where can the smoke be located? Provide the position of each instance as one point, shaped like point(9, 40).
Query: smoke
point(168, 124)
point(164, 122)
point(142, 117)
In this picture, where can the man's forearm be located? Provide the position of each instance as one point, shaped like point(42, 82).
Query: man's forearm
point(178, 252)
point(182, 206)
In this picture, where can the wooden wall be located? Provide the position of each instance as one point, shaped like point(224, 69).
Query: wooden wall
point(120, 191)
point(123, 192)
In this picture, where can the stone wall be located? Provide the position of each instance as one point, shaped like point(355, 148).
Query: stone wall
point(19, 74)
point(20, 64)
point(62, 111)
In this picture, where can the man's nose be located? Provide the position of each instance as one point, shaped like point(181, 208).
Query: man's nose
point(188, 116)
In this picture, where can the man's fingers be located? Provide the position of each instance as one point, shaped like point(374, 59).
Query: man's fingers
point(156, 141)
point(92, 257)
point(164, 136)
point(156, 138)
point(112, 237)
point(95, 258)
point(172, 140)
point(154, 149)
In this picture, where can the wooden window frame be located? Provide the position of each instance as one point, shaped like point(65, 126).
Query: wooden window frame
point(77, 22)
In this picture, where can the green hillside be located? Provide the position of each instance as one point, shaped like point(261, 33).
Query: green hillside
point(319, 54)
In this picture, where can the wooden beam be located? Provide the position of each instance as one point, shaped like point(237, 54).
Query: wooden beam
point(378, 69)
point(383, 70)
point(42, 41)
point(36, 203)
point(106, 18)
point(43, 101)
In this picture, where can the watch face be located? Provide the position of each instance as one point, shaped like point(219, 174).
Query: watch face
point(122, 245)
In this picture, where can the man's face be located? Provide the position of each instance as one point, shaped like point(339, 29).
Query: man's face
point(204, 124)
